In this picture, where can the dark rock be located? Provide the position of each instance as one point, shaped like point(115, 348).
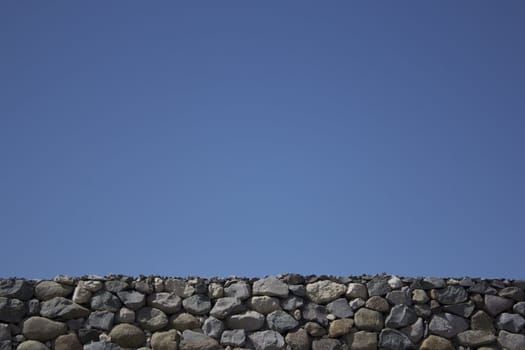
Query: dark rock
point(62, 308)
point(378, 286)
point(236, 338)
point(510, 341)
point(197, 304)
point(104, 300)
point(482, 322)
point(451, 295)
point(400, 316)
point(514, 293)
point(267, 340)
point(496, 305)
point(298, 290)
point(475, 338)
point(132, 299)
point(315, 312)
point(340, 308)
point(447, 325)
point(390, 339)
point(115, 286)
point(213, 327)
point(101, 320)
point(18, 289)
point(293, 302)
point(226, 306)
point(151, 319)
point(327, 344)
point(88, 335)
point(11, 310)
point(128, 335)
point(298, 340)
point(42, 329)
point(281, 321)
point(482, 287)
point(510, 322)
point(462, 309)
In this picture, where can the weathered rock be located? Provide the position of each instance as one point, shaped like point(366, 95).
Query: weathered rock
point(391, 339)
point(104, 300)
point(461, 309)
point(101, 345)
point(151, 319)
point(62, 308)
point(168, 303)
point(397, 297)
point(11, 310)
point(17, 289)
point(197, 304)
point(298, 340)
point(270, 286)
point(519, 308)
point(249, 321)
point(482, 287)
point(315, 312)
point(165, 340)
point(5, 332)
point(314, 329)
point(68, 342)
point(298, 290)
point(128, 335)
point(325, 291)
point(101, 320)
point(197, 341)
point(46, 290)
point(428, 283)
point(87, 335)
point(514, 293)
point(267, 340)
point(281, 321)
point(32, 345)
point(419, 296)
point(363, 341)
point(340, 327)
point(239, 290)
point(356, 304)
point(510, 322)
point(378, 286)
point(42, 329)
point(90, 285)
point(510, 341)
point(369, 320)
point(184, 321)
point(293, 302)
point(236, 337)
point(482, 322)
point(400, 316)
point(132, 299)
point(33, 307)
point(415, 331)
point(450, 295)
point(475, 338)
point(144, 286)
point(213, 327)
point(264, 304)
point(395, 282)
point(340, 308)
point(436, 343)
point(496, 305)
point(357, 290)
point(447, 325)
point(327, 344)
point(226, 306)
point(179, 287)
point(215, 291)
point(125, 315)
point(115, 286)
point(378, 303)
point(81, 295)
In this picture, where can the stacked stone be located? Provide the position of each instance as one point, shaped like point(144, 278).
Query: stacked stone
point(289, 311)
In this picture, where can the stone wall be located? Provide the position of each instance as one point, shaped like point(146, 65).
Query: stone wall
point(283, 312)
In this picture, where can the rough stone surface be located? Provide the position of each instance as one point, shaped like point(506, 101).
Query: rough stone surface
point(42, 329)
point(281, 321)
point(415, 331)
point(315, 312)
point(482, 322)
point(32, 345)
point(184, 321)
point(327, 344)
point(264, 304)
point(369, 320)
point(197, 304)
point(511, 341)
point(475, 338)
point(378, 286)
point(270, 286)
point(101, 320)
point(68, 342)
point(11, 310)
point(249, 321)
point(340, 308)
point(226, 306)
point(378, 303)
point(46, 290)
point(236, 337)
point(151, 319)
point(436, 343)
point(62, 308)
point(391, 339)
point(169, 303)
point(292, 302)
point(239, 290)
point(165, 340)
point(510, 322)
point(104, 300)
point(450, 295)
point(132, 299)
point(495, 304)
point(357, 290)
point(101, 345)
point(447, 325)
point(16, 289)
point(267, 340)
point(298, 340)
point(400, 316)
point(325, 291)
point(340, 327)
point(127, 335)
point(213, 327)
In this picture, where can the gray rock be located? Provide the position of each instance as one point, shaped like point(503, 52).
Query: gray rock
point(327, 344)
point(369, 320)
point(87, 335)
point(514, 293)
point(101, 320)
point(264, 304)
point(240, 290)
point(179, 287)
point(270, 286)
point(433, 342)
point(5, 345)
point(315, 312)
point(101, 345)
point(475, 338)
point(461, 309)
point(32, 345)
point(391, 339)
point(482, 287)
point(415, 331)
point(447, 325)
point(496, 305)
point(115, 286)
point(104, 300)
point(324, 291)
point(249, 321)
point(128, 335)
point(144, 286)
point(363, 341)
point(132, 299)
point(11, 310)
point(356, 304)
point(314, 329)
point(519, 308)
point(91, 285)
point(151, 319)
point(197, 304)
point(42, 329)
point(184, 321)
point(281, 321)
point(298, 290)
point(298, 340)
point(428, 283)
point(293, 302)
point(340, 308)
point(510, 341)
point(125, 315)
point(60, 307)
point(18, 289)
point(400, 316)
point(165, 340)
point(5, 332)
point(510, 322)
point(397, 297)
point(267, 340)
point(226, 306)
point(236, 337)
point(378, 286)
point(450, 295)
point(357, 290)
point(213, 327)
point(197, 341)
point(33, 307)
point(46, 290)
point(378, 303)
point(168, 303)
point(482, 322)
point(215, 291)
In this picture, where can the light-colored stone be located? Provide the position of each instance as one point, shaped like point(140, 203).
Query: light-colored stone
point(169, 303)
point(357, 290)
point(270, 286)
point(184, 321)
point(369, 320)
point(363, 340)
point(127, 335)
point(239, 290)
point(395, 282)
point(249, 321)
point(325, 291)
point(42, 329)
point(46, 290)
point(125, 315)
point(419, 296)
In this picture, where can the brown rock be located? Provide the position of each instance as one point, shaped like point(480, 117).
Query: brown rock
point(68, 342)
point(127, 335)
point(436, 343)
point(340, 327)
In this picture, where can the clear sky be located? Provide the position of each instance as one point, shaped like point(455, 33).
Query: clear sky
point(251, 138)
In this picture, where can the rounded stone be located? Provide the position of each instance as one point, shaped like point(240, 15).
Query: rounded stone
point(46, 290)
point(264, 304)
point(369, 320)
point(68, 342)
point(128, 335)
point(151, 318)
point(434, 342)
point(325, 291)
point(31, 345)
point(249, 321)
point(165, 340)
point(42, 329)
point(184, 321)
point(340, 327)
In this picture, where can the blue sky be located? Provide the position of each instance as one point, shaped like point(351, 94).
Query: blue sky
point(251, 138)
